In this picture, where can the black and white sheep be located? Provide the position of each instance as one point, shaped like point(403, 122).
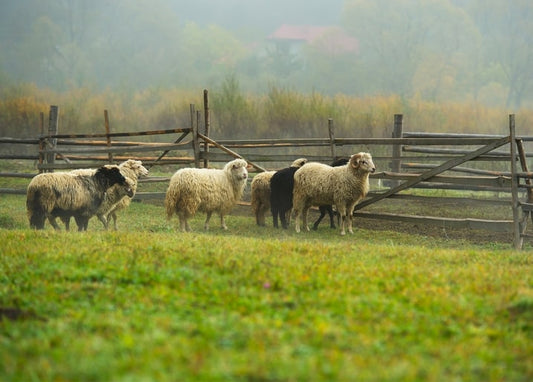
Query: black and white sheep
point(117, 197)
point(260, 192)
point(328, 209)
point(206, 190)
point(50, 195)
point(112, 197)
point(344, 186)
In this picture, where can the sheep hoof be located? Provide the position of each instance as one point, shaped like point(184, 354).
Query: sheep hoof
point(343, 233)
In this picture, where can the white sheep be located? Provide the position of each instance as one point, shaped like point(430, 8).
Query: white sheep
point(50, 195)
point(206, 190)
point(117, 197)
point(260, 193)
point(344, 186)
point(132, 169)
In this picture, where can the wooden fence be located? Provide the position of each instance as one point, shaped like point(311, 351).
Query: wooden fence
point(406, 160)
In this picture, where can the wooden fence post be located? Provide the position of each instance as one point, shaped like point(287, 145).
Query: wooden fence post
point(331, 132)
point(207, 123)
point(517, 237)
point(396, 163)
point(41, 140)
point(53, 123)
point(108, 138)
point(195, 143)
point(198, 119)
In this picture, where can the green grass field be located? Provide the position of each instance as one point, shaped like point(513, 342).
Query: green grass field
point(149, 303)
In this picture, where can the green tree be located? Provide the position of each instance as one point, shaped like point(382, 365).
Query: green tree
point(396, 38)
point(507, 30)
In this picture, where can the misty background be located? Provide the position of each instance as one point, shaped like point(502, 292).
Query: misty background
point(436, 50)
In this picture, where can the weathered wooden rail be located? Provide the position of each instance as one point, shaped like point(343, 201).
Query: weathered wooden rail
point(407, 161)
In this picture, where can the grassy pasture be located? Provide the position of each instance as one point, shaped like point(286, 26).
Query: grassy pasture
point(257, 304)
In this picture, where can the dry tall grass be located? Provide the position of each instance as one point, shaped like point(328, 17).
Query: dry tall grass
point(276, 114)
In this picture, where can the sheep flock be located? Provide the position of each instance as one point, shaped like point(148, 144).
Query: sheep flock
point(103, 192)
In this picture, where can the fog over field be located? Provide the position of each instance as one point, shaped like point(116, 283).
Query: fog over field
point(445, 50)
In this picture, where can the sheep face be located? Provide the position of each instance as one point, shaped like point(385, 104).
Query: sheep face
point(237, 170)
point(136, 166)
point(110, 176)
point(362, 162)
point(239, 173)
point(127, 188)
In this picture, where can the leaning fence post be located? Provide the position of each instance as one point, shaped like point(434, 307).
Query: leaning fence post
point(397, 132)
point(107, 132)
point(53, 123)
point(331, 132)
point(517, 240)
point(207, 123)
point(195, 143)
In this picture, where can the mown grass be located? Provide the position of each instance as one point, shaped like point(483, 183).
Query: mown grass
point(257, 304)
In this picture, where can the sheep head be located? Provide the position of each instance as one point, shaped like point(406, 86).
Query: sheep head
point(136, 166)
point(237, 169)
point(128, 188)
point(107, 176)
point(299, 162)
point(362, 162)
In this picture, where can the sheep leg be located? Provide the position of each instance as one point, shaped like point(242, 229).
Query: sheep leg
point(82, 222)
point(260, 216)
point(54, 224)
point(274, 217)
point(223, 222)
point(304, 219)
point(283, 218)
point(65, 220)
point(184, 225)
point(305, 212)
point(288, 214)
point(114, 216)
point(37, 218)
point(331, 217)
point(37, 221)
point(298, 208)
point(296, 213)
point(103, 219)
point(342, 212)
point(317, 222)
point(322, 214)
point(206, 224)
point(350, 217)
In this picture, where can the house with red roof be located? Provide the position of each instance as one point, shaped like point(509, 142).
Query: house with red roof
point(331, 40)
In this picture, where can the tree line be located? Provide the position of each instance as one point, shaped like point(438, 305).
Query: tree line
point(443, 50)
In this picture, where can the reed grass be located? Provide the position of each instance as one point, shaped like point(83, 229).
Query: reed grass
point(277, 113)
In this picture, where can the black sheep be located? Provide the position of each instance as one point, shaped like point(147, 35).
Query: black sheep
point(281, 185)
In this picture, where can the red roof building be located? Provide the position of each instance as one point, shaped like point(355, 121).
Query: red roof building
point(331, 40)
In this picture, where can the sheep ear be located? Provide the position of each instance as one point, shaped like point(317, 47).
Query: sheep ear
point(355, 161)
